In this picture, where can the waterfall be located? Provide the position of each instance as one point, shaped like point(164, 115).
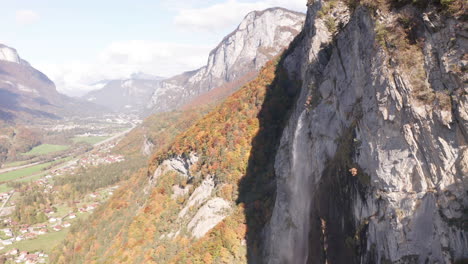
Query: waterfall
point(300, 192)
point(290, 220)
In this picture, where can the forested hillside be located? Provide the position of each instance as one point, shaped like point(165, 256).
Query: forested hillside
point(235, 144)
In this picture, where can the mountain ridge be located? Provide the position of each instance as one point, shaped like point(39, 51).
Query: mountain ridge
point(259, 37)
point(29, 95)
point(124, 95)
point(352, 148)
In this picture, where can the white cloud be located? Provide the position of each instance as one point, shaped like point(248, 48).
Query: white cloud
point(25, 17)
point(120, 59)
point(228, 14)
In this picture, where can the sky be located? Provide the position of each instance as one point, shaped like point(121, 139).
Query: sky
point(80, 43)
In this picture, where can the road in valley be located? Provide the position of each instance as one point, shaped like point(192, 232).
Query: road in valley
point(114, 137)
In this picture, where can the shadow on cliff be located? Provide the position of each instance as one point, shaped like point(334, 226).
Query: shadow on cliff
point(332, 203)
point(258, 188)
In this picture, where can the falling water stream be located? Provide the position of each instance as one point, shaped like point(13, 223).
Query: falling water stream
point(300, 192)
point(290, 222)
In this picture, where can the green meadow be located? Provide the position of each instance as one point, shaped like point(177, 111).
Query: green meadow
point(89, 140)
point(46, 149)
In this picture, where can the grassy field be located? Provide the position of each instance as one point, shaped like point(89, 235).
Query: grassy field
point(31, 178)
point(89, 140)
point(34, 175)
point(44, 242)
point(15, 164)
point(13, 175)
point(4, 188)
point(46, 149)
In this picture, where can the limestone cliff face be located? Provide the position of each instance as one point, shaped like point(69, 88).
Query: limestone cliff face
point(11, 55)
point(259, 37)
point(399, 125)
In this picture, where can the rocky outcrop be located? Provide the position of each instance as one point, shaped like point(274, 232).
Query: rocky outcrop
point(11, 55)
point(369, 170)
point(259, 37)
point(202, 210)
point(208, 216)
point(147, 147)
point(199, 196)
point(178, 164)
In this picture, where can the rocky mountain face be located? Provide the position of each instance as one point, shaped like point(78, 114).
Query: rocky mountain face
point(27, 94)
point(372, 166)
point(11, 55)
point(351, 148)
point(130, 95)
point(24, 90)
point(259, 37)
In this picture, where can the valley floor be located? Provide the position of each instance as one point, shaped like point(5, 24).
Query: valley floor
point(45, 173)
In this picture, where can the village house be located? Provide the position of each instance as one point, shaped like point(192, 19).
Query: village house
point(22, 256)
point(31, 259)
point(7, 232)
point(41, 226)
point(42, 231)
point(13, 252)
point(4, 196)
point(90, 207)
point(30, 236)
point(7, 242)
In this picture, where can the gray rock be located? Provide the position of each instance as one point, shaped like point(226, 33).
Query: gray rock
point(178, 164)
point(199, 195)
point(414, 153)
point(208, 216)
point(259, 37)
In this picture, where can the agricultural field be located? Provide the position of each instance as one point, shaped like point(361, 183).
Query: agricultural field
point(42, 243)
point(29, 173)
point(89, 140)
point(17, 174)
point(15, 164)
point(46, 149)
point(5, 188)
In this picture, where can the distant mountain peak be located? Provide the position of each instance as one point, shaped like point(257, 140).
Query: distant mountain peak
point(11, 55)
point(144, 76)
point(260, 36)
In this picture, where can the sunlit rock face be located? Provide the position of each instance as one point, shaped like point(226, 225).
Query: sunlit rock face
point(258, 38)
point(367, 171)
point(11, 55)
